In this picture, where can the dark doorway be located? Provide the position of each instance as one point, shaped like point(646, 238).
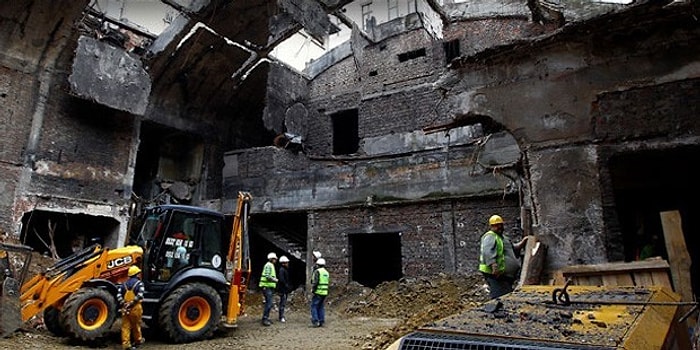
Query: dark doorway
point(345, 132)
point(60, 234)
point(647, 183)
point(375, 258)
point(282, 234)
point(168, 164)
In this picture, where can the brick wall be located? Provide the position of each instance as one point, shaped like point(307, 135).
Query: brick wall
point(15, 124)
point(436, 237)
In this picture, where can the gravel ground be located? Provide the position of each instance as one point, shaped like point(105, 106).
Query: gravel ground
point(356, 318)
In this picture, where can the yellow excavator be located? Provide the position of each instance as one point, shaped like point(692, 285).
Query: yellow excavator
point(196, 269)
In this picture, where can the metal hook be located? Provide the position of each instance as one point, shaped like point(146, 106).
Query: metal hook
point(560, 295)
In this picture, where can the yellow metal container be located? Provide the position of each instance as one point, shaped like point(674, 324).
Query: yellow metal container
point(551, 317)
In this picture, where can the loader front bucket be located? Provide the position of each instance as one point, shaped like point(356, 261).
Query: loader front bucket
point(10, 312)
point(10, 304)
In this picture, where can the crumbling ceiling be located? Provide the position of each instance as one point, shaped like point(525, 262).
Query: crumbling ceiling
point(208, 64)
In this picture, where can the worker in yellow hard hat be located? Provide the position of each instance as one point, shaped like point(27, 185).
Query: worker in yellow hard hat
point(129, 296)
point(498, 261)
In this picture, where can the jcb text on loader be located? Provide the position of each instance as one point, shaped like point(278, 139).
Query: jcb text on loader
point(195, 269)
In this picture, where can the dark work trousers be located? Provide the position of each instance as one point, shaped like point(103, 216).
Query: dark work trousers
point(498, 286)
point(267, 293)
point(318, 310)
point(283, 304)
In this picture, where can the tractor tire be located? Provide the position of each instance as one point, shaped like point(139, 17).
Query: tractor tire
point(52, 320)
point(190, 313)
point(88, 314)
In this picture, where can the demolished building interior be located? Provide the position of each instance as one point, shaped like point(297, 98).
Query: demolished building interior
point(577, 123)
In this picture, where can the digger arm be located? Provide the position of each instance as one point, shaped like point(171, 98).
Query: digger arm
point(238, 257)
point(53, 286)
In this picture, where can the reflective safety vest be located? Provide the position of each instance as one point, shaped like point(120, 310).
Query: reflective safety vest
point(500, 257)
point(324, 279)
point(269, 276)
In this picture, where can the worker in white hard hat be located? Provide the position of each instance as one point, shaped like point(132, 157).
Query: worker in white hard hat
point(268, 284)
point(129, 297)
point(284, 286)
point(315, 255)
point(320, 280)
point(497, 260)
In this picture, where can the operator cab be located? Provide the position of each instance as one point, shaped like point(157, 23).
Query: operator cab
point(176, 238)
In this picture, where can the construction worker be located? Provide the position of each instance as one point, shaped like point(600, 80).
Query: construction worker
point(129, 296)
point(268, 283)
point(284, 287)
point(498, 261)
point(319, 288)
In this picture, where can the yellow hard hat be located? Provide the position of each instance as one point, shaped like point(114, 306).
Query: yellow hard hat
point(495, 219)
point(134, 270)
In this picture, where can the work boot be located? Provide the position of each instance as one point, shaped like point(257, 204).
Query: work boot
point(266, 322)
point(140, 342)
point(316, 324)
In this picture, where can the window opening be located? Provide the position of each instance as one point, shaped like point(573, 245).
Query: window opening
point(411, 55)
point(451, 50)
point(367, 18)
point(345, 132)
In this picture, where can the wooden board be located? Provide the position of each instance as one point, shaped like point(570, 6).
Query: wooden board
point(636, 273)
point(678, 256)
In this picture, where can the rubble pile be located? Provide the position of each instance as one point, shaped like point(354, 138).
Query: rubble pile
point(415, 302)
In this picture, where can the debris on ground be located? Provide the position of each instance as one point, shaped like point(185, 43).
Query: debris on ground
point(414, 301)
point(408, 303)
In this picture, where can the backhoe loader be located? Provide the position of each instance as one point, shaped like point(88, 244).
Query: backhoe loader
point(195, 265)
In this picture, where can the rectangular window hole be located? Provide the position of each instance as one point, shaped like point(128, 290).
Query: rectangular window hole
point(403, 57)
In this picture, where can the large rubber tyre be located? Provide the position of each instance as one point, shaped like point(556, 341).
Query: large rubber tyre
point(190, 313)
point(52, 320)
point(88, 314)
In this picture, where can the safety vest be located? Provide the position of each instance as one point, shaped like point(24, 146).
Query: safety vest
point(500, 257)
point(323, 280)
point(269, 275)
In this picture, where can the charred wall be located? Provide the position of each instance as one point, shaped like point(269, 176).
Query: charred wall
point(60, 153)
point(563, 98)
point(435, 237)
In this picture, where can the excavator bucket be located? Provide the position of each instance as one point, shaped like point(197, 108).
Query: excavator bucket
point(10, 306)
point(10, 313)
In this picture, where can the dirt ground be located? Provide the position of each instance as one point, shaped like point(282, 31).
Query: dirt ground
point(356, 318)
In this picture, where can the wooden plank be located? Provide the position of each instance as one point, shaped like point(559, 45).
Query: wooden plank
point(557, 279)
point(660, 278)
point(651, 264)
point(625, 280)
point(533, 262)
point(609, 280)
point(595, 281)
point(643, 278)
point(678, 256)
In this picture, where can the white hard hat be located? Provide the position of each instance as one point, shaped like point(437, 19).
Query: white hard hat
point(317, 254)
point(271, 256)
point(284, 259)
point(321, 261)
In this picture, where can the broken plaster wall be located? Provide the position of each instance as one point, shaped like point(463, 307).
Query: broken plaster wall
point(63, 154)
point(558, 85)
point(398, 168)
point(544, 87)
